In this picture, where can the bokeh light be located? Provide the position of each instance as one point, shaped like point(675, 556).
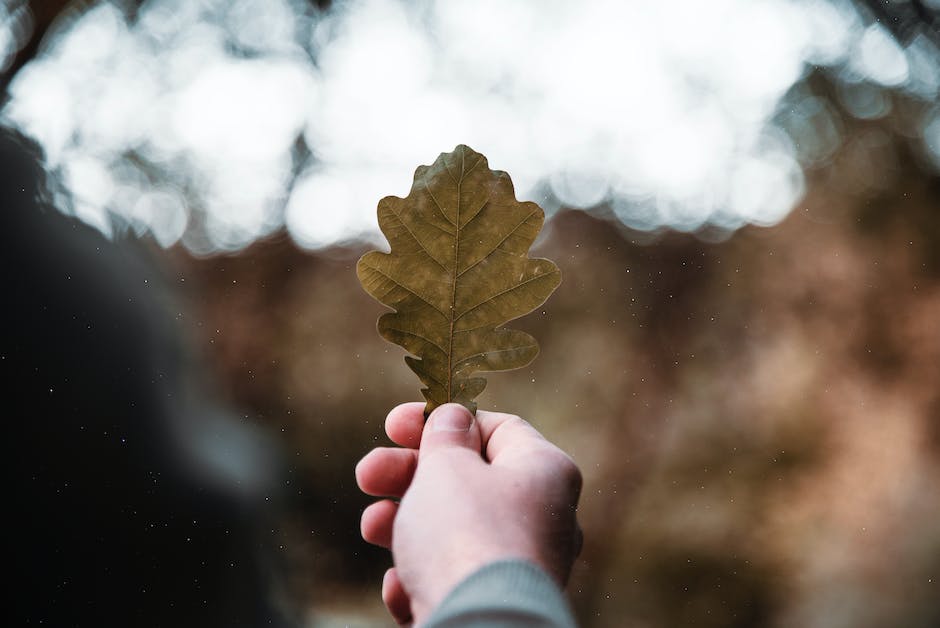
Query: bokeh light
point(254, 115)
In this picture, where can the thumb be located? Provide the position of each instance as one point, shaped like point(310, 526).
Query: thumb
point(450, 425)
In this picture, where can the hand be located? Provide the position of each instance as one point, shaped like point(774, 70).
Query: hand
point(461, 510)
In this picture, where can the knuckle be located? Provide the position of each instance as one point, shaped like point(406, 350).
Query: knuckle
point(521, 427)
point(566, 469)
point(515, 421)
point(572, 473)
point(560, 467)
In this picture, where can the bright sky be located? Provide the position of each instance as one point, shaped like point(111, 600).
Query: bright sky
point(661, 110)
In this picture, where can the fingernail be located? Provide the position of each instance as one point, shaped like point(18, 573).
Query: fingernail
point(451, 419)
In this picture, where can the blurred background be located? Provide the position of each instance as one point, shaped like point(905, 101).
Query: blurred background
point(743, 356)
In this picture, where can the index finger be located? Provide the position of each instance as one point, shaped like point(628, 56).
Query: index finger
point(405, 423)
point(501, 431)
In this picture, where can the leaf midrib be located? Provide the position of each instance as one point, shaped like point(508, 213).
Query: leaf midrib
point(453, 282)
point(455, 275)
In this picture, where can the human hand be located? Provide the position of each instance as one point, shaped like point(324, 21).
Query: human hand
point(461, 510)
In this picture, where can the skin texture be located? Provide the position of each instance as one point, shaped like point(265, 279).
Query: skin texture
point(471, 491)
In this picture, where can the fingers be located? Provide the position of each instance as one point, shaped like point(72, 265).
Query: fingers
point(405, 423)
point(395, 598)
point(511, 442)
point(376, 522)
point(386, 471)
point(499, 434)
point(506, 432)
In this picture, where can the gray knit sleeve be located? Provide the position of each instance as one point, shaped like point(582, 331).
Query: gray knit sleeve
point(508, 594)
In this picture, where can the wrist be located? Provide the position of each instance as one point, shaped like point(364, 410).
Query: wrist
point(517, 587)
point(453, 567)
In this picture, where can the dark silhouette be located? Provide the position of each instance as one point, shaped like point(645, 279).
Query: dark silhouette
point(115, 512)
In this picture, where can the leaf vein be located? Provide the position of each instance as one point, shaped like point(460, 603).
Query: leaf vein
point(439, 208)
point(497, 352)
point(420, 337)
point(465, 173)
point(502, 292)
point(447, 168)
point(498, 245)
point(479, 211)
point(420, 244)
point(406, 288)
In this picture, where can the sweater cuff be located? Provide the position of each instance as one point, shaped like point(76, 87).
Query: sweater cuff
point(506, 593)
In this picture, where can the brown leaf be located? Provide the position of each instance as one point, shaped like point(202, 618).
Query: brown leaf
point(457, 270)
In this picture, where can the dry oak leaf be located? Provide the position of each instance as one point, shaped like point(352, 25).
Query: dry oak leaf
point(457, 270)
